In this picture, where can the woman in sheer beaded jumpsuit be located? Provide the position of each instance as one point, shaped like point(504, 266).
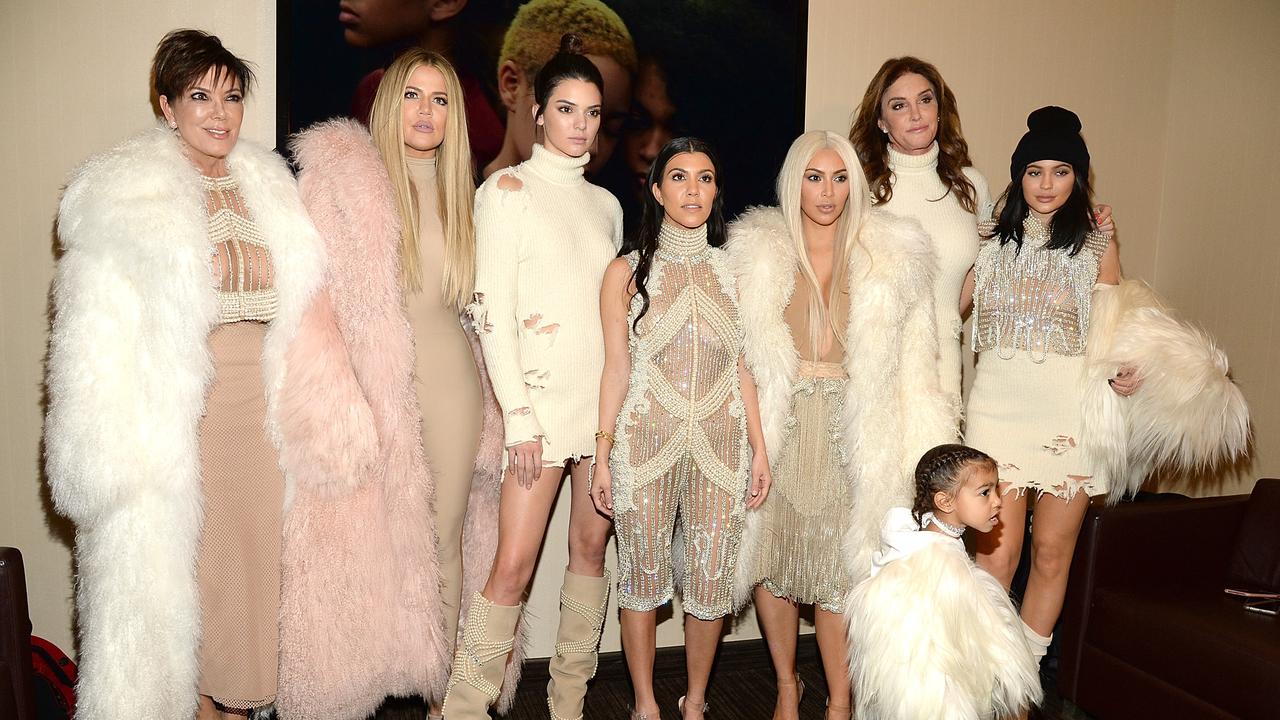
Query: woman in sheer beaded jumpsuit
point(673, 346)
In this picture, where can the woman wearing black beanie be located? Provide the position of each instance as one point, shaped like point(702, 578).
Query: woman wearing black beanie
point(1035, 275)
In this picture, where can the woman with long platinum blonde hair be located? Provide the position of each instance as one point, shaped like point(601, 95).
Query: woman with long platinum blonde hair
point(841, 337)
point(394, 206)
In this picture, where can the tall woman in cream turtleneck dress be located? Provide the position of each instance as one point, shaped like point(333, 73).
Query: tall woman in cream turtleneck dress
point(907, 134)
point(543, 238)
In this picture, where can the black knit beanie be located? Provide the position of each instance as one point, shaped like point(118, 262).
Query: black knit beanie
point(1053, 133)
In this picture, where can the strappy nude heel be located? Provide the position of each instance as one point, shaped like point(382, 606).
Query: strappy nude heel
point(680, 706)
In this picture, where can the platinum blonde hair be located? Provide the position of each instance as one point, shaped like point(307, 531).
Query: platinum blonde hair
point(849, 224)
point(454, 176)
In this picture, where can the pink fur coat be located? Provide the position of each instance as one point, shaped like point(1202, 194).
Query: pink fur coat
point(360, 602)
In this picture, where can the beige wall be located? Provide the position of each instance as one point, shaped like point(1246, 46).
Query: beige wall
point(1219, 250)
point(1150, 78)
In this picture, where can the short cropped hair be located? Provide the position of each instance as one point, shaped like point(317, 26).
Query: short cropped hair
point(184, 56)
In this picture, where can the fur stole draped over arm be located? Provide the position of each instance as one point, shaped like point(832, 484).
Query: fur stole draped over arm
point(935, 637)
point(1187, 415)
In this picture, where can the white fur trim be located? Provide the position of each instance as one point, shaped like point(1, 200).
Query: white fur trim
point(934, 637)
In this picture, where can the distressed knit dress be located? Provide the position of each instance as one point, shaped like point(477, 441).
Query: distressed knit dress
point(541, 252)
point(1031, 312)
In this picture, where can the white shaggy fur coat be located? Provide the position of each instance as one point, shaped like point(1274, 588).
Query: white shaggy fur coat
point(128, 370)
point(1187, 415)
point(934, 636)
point(895, 409)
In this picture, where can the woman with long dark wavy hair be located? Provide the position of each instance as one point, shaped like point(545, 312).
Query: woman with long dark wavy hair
point(912, 149)
point(676, 392)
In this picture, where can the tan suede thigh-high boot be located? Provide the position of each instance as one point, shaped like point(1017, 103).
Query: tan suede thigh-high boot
point(480, 659)
point(583, 601)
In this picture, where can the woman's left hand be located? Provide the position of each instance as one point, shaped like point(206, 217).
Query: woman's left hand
point(1126, 382)
point(761, 480)
point(1106, 223)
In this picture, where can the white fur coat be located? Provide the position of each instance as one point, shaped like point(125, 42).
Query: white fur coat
point(895, 409)
point(128, 371)
point(935, 637)
point(1187, 415)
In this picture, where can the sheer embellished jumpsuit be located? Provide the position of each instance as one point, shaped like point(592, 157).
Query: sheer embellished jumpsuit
point(681, 447)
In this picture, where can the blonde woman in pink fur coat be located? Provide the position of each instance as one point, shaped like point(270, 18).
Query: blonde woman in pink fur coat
point(382, 607)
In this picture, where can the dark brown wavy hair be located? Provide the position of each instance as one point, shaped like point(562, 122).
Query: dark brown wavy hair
point(872, 144)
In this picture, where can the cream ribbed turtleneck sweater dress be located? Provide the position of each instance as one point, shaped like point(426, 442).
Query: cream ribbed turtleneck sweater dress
point(919, 193)
point(541, 252)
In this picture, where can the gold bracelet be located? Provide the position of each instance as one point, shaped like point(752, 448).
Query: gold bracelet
point(607, 436)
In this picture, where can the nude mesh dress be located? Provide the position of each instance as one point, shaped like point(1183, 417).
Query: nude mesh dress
point(238, 563)
point(800, 553)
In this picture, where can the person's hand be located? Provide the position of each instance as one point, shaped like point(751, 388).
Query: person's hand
point(524, 461)
point(1106, 223)
point(761, 480)
point(1126, 382)
point(602, 489)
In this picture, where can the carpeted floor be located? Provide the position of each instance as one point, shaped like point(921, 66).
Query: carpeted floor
point(741, 688)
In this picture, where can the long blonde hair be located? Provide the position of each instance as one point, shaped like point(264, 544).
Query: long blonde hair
point(848, 228)
point(454, 176)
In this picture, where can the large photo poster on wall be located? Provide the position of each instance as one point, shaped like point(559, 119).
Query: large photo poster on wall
point(729, 71)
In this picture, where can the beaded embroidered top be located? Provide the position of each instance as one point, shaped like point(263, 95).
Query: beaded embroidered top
point(684, 398)
point(242, 270)
point(1035, 300)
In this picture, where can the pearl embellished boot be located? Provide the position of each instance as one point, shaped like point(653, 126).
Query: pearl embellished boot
point(583, 601)
point(480, 660)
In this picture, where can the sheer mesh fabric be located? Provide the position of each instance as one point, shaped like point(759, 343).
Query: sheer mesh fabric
point(681, 445)
point(242, 270)
point(804, 522)
point(1034, 299)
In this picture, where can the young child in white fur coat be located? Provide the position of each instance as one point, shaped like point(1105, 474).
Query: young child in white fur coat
point(933, 636)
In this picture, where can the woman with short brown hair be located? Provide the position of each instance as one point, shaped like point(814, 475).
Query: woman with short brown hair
point(188, 262)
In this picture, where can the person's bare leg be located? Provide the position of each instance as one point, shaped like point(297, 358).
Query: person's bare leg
point(522, 524)
point(588, 529)
point(998, 551)
point(701, 640)
point(1055, 527)
point(584, 596)
point(833, 643)
point(639, 644)
point(780, 621)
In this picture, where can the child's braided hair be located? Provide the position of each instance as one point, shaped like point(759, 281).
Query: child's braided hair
point(939, 470)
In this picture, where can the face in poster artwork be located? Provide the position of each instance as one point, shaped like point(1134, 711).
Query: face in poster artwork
point(670, 68)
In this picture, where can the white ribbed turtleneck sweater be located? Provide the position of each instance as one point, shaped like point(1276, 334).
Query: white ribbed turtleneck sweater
point(541, 252)
point(919, 193)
